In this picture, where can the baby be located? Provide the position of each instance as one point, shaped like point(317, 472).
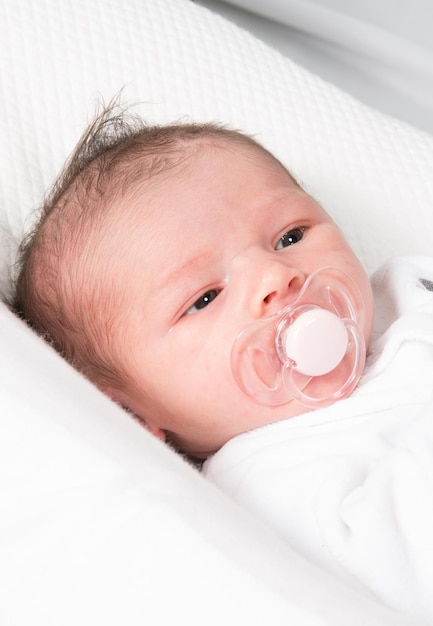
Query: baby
point(178, 267)
point(156, 248)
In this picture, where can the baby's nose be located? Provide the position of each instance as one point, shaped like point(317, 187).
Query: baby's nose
point(276, 288)
point(271, 283)
point(290, 284)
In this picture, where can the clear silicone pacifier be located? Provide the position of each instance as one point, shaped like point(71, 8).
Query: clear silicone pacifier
point(312, 351)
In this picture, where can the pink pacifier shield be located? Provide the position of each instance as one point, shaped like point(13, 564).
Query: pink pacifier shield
point(316, 342)
point(312, 350)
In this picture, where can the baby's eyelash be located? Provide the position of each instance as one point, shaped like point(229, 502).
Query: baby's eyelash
point(290, 238)
point(204, 301)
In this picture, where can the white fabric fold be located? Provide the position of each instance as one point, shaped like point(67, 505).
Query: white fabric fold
point(351, 486)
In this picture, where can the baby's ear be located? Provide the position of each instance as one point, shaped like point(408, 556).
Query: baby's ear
point(155, 430)
point(121, 398)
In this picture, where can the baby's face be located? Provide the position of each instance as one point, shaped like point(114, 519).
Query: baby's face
point(229, 239)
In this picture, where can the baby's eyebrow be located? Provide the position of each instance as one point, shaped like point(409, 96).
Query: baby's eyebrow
point(193, 267)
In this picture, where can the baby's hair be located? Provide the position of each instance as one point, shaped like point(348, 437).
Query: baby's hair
point(59, 289)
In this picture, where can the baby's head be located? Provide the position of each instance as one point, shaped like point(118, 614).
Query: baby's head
point(155, 249)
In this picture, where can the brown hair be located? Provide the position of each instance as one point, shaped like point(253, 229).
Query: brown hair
point(58, 289)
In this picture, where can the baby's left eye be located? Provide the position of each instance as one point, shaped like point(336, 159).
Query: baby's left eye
point(203, 301)
point(290, 238)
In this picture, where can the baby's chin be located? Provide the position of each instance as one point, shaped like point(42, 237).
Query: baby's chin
point(273, 414)
point(252, 415)
point(319, 392)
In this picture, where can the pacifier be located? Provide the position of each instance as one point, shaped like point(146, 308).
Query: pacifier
point(313, 350)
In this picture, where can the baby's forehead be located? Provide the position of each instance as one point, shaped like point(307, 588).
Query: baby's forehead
point(240, 146)
point(102, 193)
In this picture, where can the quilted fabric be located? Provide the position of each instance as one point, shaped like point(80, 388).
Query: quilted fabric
point(177, 60)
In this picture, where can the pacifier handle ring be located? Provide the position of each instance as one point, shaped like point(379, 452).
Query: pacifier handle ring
point(344, 390)
point(315, 340)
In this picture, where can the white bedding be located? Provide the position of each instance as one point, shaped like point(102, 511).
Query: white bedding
point(350, 486)
point(100, 523)
point(381, 53)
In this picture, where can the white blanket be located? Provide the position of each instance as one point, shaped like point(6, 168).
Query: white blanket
point(351, 486)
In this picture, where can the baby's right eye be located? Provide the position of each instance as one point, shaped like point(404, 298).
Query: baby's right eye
point(203, 301)
point(290, 238)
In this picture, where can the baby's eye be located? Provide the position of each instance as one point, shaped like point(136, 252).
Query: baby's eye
point(203, 301)
point(290, 238)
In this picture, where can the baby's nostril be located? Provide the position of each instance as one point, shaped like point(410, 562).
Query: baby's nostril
point(295, 283)
point(268, 298)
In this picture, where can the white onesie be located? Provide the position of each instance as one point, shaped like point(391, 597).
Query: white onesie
point(351, 486)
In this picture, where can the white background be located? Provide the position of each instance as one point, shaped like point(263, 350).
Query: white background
point(380, 51)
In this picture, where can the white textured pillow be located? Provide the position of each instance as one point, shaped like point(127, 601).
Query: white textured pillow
point(372, 173)
point(100, 523)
